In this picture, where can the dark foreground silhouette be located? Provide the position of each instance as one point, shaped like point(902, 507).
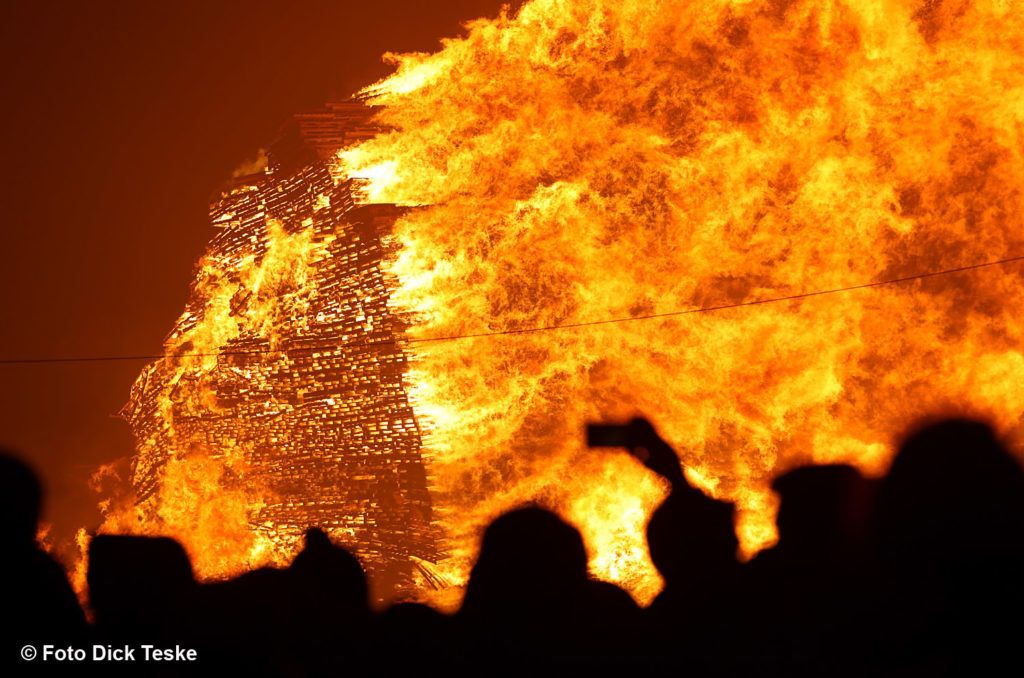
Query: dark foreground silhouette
point(918, 574)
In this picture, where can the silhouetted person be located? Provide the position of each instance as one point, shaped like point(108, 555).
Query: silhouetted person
point(310, 619)
point(244, 626)
point(38, 606)
point(950, 538)
point(529, 601)
point(808, 593)
point(141, 590)
point(695, 623)
point(331, 613)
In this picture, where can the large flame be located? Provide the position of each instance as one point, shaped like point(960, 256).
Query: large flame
point(591, 160)
point(582, 161)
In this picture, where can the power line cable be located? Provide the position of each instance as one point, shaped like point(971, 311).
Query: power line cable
point(527, 330)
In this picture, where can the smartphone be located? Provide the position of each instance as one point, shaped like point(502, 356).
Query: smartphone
point(608, 435)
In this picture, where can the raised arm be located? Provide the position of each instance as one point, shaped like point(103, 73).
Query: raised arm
point(656, 454)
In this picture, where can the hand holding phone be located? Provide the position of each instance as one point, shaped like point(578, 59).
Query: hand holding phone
point(643, 442)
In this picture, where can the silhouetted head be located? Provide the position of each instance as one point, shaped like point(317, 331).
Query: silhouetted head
point(952, 487)
point(21, 498)
point(331, 576)
point(528, 557)
point(691, 537)
point(135, 581)
point(821, 507)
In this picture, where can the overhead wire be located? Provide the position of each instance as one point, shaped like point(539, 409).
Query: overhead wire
point(524, 330)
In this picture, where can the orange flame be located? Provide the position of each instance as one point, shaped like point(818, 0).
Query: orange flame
point(592, 160)
point(581, 161)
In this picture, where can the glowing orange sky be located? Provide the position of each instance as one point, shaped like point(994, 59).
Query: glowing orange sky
point(119, 120)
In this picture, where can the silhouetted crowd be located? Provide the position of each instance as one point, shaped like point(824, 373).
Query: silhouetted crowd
point(920, 573)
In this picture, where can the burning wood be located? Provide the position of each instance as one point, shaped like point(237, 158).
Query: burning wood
point(295, 412)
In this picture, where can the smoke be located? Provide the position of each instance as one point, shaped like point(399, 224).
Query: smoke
point(254, 165)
